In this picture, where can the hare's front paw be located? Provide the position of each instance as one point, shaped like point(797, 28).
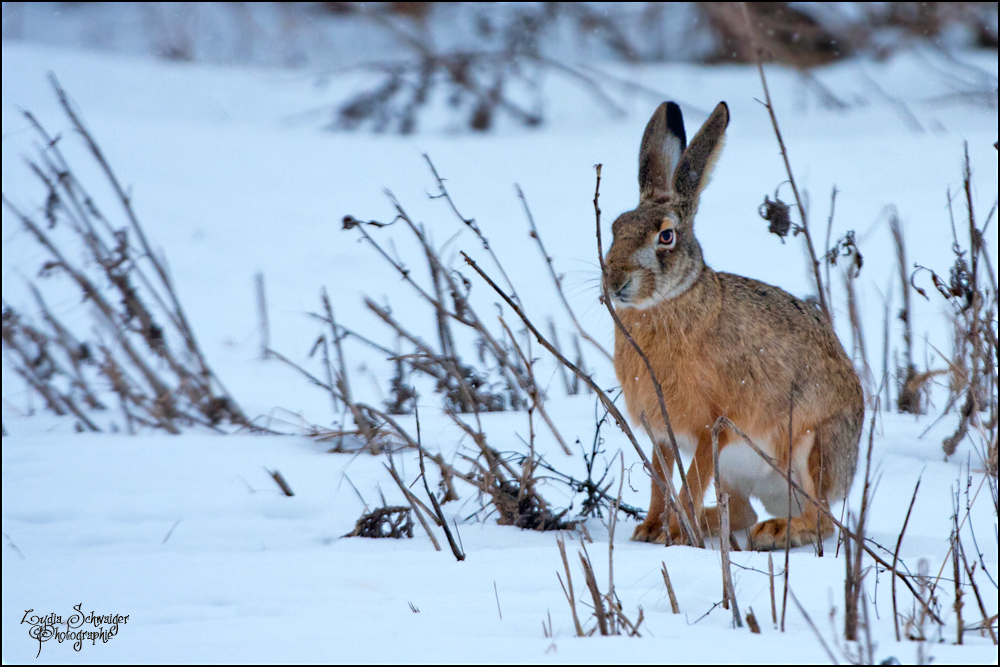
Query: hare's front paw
point(649, 531)
point(772, 534)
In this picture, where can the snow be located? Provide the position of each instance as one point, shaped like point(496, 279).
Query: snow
point(192, 539)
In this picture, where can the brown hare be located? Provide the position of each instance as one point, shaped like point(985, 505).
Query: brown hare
point(725, 345)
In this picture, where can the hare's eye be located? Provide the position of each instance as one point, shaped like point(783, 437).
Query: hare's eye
point(667, 238)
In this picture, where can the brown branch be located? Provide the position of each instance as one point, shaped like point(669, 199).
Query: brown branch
point(534, 393)
point(557, 279)
point(788, 169)
point(459, 556)
point(722, 507)
point(570, 596)
point(895, 555)
point(413, 500)
point(670, 590)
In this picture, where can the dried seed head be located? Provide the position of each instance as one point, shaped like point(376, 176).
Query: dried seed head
point(776, 213)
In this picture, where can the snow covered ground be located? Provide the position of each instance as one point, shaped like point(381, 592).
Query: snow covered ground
point(190, 537)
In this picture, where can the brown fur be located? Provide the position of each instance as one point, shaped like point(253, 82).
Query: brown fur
point(725, 345)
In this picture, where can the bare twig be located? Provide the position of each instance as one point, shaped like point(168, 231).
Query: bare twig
point(567, 586)
point(770, 578)
point(722, 503)
point(264, 323)
point(822, 642)
point(670, 590)
point(820, 291)
point(895, 555)
point(557, 279)
point(788, 518)
point(459, 555)
point(413, 500)
point(279, 479)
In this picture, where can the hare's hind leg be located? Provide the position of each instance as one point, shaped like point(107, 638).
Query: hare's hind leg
point(651, 530)
point(808, 523)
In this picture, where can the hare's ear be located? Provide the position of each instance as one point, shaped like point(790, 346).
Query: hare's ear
point(663, 143)
point(698, 160)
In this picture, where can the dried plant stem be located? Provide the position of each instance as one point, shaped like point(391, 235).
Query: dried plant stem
point(534, 393)
point(895, 555)
point(788, 525)
point(595, 594)
point(820, 290)
point(414, 504)
point(612, 524)
point(770, 578)
point(987, 620)
point(826, 254)
point(567, 587)
point(958, 605)
point(670, 590)
point(854, 581)
point(279, 479)
point(812, 625)
point(455, 549)
point(673, 502)
point(264, 322)
point(722, 506)
point(557, 279)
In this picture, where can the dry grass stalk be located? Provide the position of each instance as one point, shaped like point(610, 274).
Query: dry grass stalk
point(909, 398)
point(567, 586)
point(670, 590)
point(384, 522)
point(722, 501)
point(153, 339)
point(992, 459)
point(857, 332)
point(803, 215)
point(770, 579)
point(264, 324)
point(752, 622)
point(611, 619)
point(956, 547)
point(455, 549)
point(414, 504)
point(557, 280)
point(279, 479)
point(988, 622)
point(854, 547)
point(895, 556)
point(788, 531)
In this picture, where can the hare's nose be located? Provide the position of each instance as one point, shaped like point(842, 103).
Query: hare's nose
point(622, 291)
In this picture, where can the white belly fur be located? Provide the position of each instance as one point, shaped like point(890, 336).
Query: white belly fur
point(747, 473)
